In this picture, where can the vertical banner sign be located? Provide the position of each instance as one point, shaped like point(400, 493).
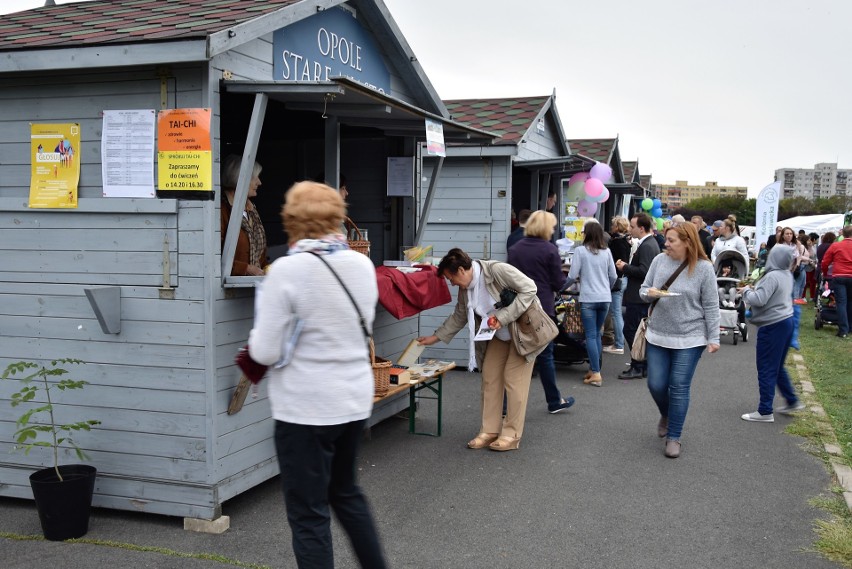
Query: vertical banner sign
point(766, 213)
point(435, 138)
point(185, 160)
point(55, 165)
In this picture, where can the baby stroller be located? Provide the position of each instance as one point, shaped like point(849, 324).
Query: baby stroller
point(826, 309)
point(731, 267)
point(570, 344)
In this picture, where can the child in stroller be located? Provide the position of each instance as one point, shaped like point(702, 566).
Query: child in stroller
point(727, 278)
point(731, 267)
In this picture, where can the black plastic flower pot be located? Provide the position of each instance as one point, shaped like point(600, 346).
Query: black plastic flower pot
point(64, 507)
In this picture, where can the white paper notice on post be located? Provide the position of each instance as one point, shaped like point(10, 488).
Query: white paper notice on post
point(127, 154)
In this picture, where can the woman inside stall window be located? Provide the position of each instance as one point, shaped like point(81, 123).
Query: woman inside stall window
point(250, 256)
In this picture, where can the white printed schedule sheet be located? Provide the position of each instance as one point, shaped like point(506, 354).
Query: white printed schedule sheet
point(127, 154)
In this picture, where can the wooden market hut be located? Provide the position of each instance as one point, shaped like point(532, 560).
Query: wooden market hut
point(135, 287)
point(480, 185)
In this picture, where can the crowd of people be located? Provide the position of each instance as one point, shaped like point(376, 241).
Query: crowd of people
point(671, 283)
point(662, 282)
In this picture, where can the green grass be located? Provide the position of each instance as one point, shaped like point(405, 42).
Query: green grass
point(829, 363)
point(144, 548)
point(828, 360)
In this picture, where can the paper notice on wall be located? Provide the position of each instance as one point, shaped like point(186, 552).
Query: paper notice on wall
point(127, 154)
point(55, 165)
point(435, 138)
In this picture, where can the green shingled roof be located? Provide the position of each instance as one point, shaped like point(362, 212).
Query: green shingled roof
point(599, 149)
point(101, 22)
point(510, 118)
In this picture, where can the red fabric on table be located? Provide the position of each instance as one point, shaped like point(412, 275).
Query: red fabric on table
point(406, 294)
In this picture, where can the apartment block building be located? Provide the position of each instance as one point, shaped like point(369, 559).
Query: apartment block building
point(682, 192)
point(824, 180)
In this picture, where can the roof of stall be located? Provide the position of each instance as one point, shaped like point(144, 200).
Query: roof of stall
point(600, 149)
point(511, 118)
point(122, 21)
point(97, 33)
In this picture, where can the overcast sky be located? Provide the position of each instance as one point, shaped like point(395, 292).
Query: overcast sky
point(725, 91)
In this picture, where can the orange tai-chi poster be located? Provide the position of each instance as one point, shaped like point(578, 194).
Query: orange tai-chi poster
point(55, 165)
point(184, 156)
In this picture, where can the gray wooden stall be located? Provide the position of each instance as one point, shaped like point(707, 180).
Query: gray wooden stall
point(480, 185)
point(161, 383)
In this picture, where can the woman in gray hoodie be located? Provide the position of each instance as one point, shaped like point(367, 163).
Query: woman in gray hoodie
point(771, 304)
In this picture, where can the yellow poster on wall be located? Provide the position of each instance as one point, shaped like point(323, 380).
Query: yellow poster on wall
point(184, 156)
point(55, 165)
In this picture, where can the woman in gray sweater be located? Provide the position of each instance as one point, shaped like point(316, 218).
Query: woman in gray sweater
point(684, 320)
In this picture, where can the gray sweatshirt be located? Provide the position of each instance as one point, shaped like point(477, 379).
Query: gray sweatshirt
point(771, 300)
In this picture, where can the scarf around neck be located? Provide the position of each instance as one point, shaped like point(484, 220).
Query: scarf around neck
point(325, 245)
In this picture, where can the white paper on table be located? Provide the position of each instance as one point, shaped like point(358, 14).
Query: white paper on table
point(485, 333)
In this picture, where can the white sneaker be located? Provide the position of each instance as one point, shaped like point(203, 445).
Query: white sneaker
point(787, 409)
point(613, 350)
point(758, 418)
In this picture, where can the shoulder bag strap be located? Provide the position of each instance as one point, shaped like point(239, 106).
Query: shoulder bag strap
point(668, 283)
point(349, 294)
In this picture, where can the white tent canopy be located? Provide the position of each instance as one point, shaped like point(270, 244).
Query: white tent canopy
point(818, 224)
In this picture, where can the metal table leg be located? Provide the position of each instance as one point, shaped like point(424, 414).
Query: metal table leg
point(434, 386)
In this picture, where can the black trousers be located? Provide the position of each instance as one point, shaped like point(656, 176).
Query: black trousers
point(318, 475)
point(633, 314)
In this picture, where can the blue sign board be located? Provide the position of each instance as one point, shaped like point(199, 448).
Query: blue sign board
point(326, 45)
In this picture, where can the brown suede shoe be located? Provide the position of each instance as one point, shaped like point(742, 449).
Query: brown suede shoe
point(672, 448)
point(663, 427)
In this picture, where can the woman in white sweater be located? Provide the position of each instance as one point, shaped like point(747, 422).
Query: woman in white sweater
point(728, 239)
point(323, 396)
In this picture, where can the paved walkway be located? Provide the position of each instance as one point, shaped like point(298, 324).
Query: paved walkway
point(589, 488)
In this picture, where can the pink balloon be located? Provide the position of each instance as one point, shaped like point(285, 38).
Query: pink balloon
point(604, 195)
point(578, 177)
point(586, 208)
point(593, 187)
point(601, 171)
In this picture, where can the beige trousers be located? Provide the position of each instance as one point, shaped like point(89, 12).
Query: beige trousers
point(504, 369)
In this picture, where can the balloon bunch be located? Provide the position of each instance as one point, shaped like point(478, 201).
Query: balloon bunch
point(592, 185)
point(654, 208)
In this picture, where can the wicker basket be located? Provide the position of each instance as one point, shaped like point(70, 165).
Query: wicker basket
point(568, 316)
point(361, 245)
point(381, 371)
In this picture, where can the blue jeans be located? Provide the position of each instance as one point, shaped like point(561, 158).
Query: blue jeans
point(547, 375)
point(617, 316)
point(670, 374)
point(799, 284)
point(773, 341)
point(842, 287)
point(593, 315)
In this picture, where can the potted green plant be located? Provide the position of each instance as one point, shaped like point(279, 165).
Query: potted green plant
point(63, 494)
